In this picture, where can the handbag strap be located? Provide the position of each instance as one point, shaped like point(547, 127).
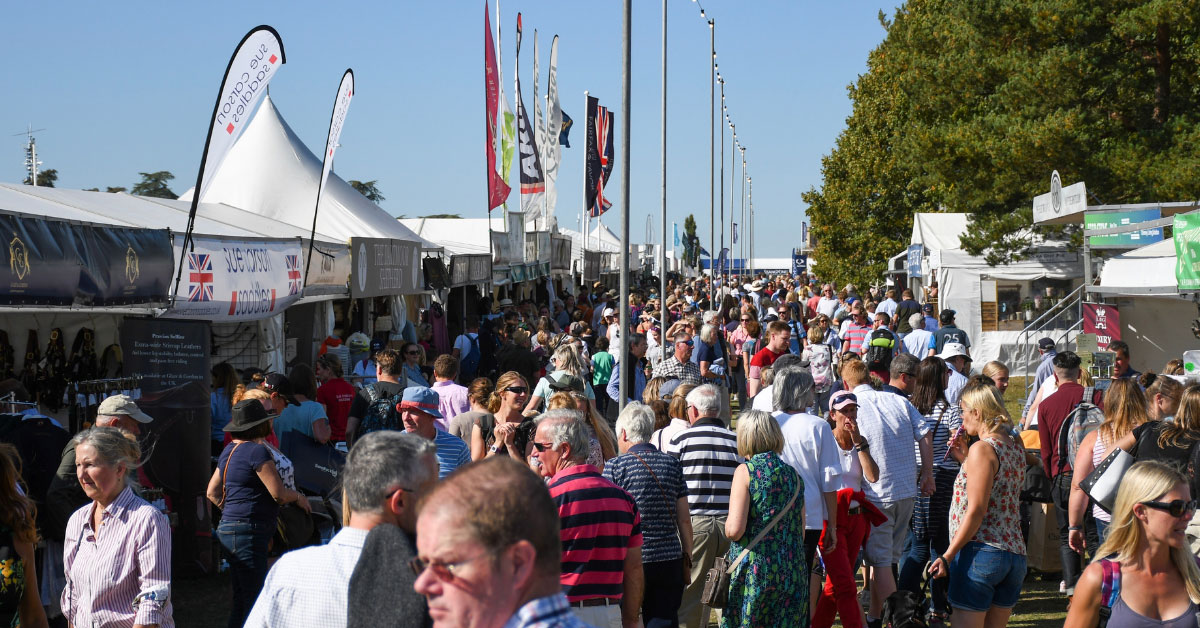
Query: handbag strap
point(225, 474)
point(660, 487)
point(765, 530)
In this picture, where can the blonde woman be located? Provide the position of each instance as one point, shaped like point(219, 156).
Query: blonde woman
point(1151, 576)
point(505, 431)
point(1162, 393)
point(986, 557)
point(568, 359)
point(770, 587)
point(1124, 410)
point(998, 373)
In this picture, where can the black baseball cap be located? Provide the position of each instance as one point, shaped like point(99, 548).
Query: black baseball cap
point(277, 383)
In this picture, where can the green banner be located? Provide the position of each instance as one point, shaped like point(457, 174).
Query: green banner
point(1187, 250)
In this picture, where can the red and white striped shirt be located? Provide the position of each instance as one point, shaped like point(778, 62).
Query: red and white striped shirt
point(600, 524)
point(121, 576)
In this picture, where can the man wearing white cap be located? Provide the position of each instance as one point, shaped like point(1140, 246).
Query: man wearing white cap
point(955, 355)
point(65, 494)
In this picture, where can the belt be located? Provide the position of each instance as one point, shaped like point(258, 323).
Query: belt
point(857, 510)
point(596, 601)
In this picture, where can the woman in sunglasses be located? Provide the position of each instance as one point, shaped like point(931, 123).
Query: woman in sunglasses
point(1149, 576)
point(413, 357)
point(505, 431)
point(986, 557)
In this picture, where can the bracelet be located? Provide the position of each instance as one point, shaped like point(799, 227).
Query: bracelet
point(1074, 529)
point(863, 446)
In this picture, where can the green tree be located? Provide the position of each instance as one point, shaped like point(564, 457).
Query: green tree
point(972, 104)
point(442, 216)
point(368, 189)
point(46, 178)
point(113, 190)
point(154, 184)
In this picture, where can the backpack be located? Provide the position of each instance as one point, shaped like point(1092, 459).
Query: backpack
point(1083, 418)
point(878, 348)
point(1110, 590)
point(820, 363)
point(470, 362)
point(381, 412)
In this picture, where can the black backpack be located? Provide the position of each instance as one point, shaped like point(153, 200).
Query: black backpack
point(470, 362)
point(878, 348)
point(381, 412)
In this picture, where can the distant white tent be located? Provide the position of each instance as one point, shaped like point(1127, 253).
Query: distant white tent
point(269, 171)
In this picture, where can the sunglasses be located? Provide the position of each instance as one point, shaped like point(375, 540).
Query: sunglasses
point(443, 571)
point(686, 342)
point(517, 390)
point(1176, 508)
point(745, 320)
point(542, 447)
point(412, 353)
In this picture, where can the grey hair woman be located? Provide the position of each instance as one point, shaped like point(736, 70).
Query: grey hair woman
point(103, 585)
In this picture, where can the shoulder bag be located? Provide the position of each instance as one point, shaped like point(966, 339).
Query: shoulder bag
point(1102, 483)
point(717, 581)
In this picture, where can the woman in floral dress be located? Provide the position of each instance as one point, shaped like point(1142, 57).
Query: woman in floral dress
point(986, 557)
point(770, 586)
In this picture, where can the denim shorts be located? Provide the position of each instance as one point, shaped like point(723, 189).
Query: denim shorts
point(982, 576)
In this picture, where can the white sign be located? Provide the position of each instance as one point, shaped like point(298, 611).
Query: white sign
point(235, 279)
point(1060, 202)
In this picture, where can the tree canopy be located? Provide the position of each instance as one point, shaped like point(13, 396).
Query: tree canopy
point(368, 189)
point(968, 107)
point(46, 178)
point(153, 184)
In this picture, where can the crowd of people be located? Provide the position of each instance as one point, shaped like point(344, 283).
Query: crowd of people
point(500, 484)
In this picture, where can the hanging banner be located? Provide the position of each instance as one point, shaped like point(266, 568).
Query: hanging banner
point(799, 262)
point(1060, 202)
point(383, 267)
point(598, 158)
point(507, 121)
point(533, 181)
point(54, 262)
point(551, 153)
point(560, 258)
point(126, 266)
point(1186, 233)
point(913, 262)
point(1121, 218)
point(469, 269)
point(1104, 321)
point(232, 279)
point(592, 260)
point(330, 272)
point(341, 105)
point(497, 186)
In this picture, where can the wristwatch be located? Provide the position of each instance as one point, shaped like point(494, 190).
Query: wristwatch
point(494, 449)
point(863, 446)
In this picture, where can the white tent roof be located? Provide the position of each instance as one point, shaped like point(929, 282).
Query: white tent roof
point(269, 171)
point(126, 210)
point(459, 236)
point(938, 230)
point(1140, 271)
point(608, 240)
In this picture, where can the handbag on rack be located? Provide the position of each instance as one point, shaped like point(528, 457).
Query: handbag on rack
point(717, 580)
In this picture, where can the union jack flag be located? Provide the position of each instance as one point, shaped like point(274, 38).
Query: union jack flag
point(293, 272)
point(598, 157)
point(200, 277)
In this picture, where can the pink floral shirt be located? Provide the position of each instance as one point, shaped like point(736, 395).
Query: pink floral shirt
point(1001, 527)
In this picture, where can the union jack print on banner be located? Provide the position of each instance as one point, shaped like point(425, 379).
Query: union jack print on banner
point(598, 157)
point(293, 273)
point(200, 277)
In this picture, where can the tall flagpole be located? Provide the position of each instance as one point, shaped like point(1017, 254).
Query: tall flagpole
point(586, 215)
point(721, 242)
point(750, 202)
point(712, 159)
point(662, 251)
point(733, 144)
point(625, 386)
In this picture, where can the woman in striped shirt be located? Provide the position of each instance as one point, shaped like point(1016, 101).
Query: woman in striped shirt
point(117, 551)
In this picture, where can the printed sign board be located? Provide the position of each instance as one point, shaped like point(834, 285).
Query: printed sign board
point(227, 279)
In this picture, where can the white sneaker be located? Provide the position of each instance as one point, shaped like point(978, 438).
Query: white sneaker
point(1062, 586)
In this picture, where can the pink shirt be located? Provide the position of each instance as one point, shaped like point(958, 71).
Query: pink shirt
point(123, 576)
point(452, 401)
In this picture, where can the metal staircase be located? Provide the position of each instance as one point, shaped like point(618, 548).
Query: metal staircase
point(1060, 323)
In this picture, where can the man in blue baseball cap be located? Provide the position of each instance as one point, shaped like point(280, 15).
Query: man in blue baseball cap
point(418, 410)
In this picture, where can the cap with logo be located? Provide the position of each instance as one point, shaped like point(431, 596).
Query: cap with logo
point(278, 384)
point(953, 350)
point(842, 399)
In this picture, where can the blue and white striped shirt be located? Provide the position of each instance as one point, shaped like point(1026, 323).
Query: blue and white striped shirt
point(452, 452)
point(656, 490)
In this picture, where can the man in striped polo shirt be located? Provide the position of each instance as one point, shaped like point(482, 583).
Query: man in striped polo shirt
point(707, 452)
point(601, 529)
point(419, 409)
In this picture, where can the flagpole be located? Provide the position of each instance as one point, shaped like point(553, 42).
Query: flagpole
point(721, 242)
point(712, 162)
point(625, 386)
point(487, 189)
point(662, 251)
point(586, 214)
point(733, 144)
point(742, 199)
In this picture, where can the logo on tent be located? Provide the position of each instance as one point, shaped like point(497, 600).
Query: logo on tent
point(200, 277)
point(18, 258)
point(132, 269)
point(293, 273)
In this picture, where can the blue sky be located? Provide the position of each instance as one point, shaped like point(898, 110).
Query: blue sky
point(128, 87)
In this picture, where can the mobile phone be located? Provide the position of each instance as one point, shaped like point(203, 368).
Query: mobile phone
point(950, 443)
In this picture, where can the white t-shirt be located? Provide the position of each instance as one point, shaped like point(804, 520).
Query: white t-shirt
point(810, 449)
point(852, 473)
point(1049, 387)
point(463, 344)
point(764, 400)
